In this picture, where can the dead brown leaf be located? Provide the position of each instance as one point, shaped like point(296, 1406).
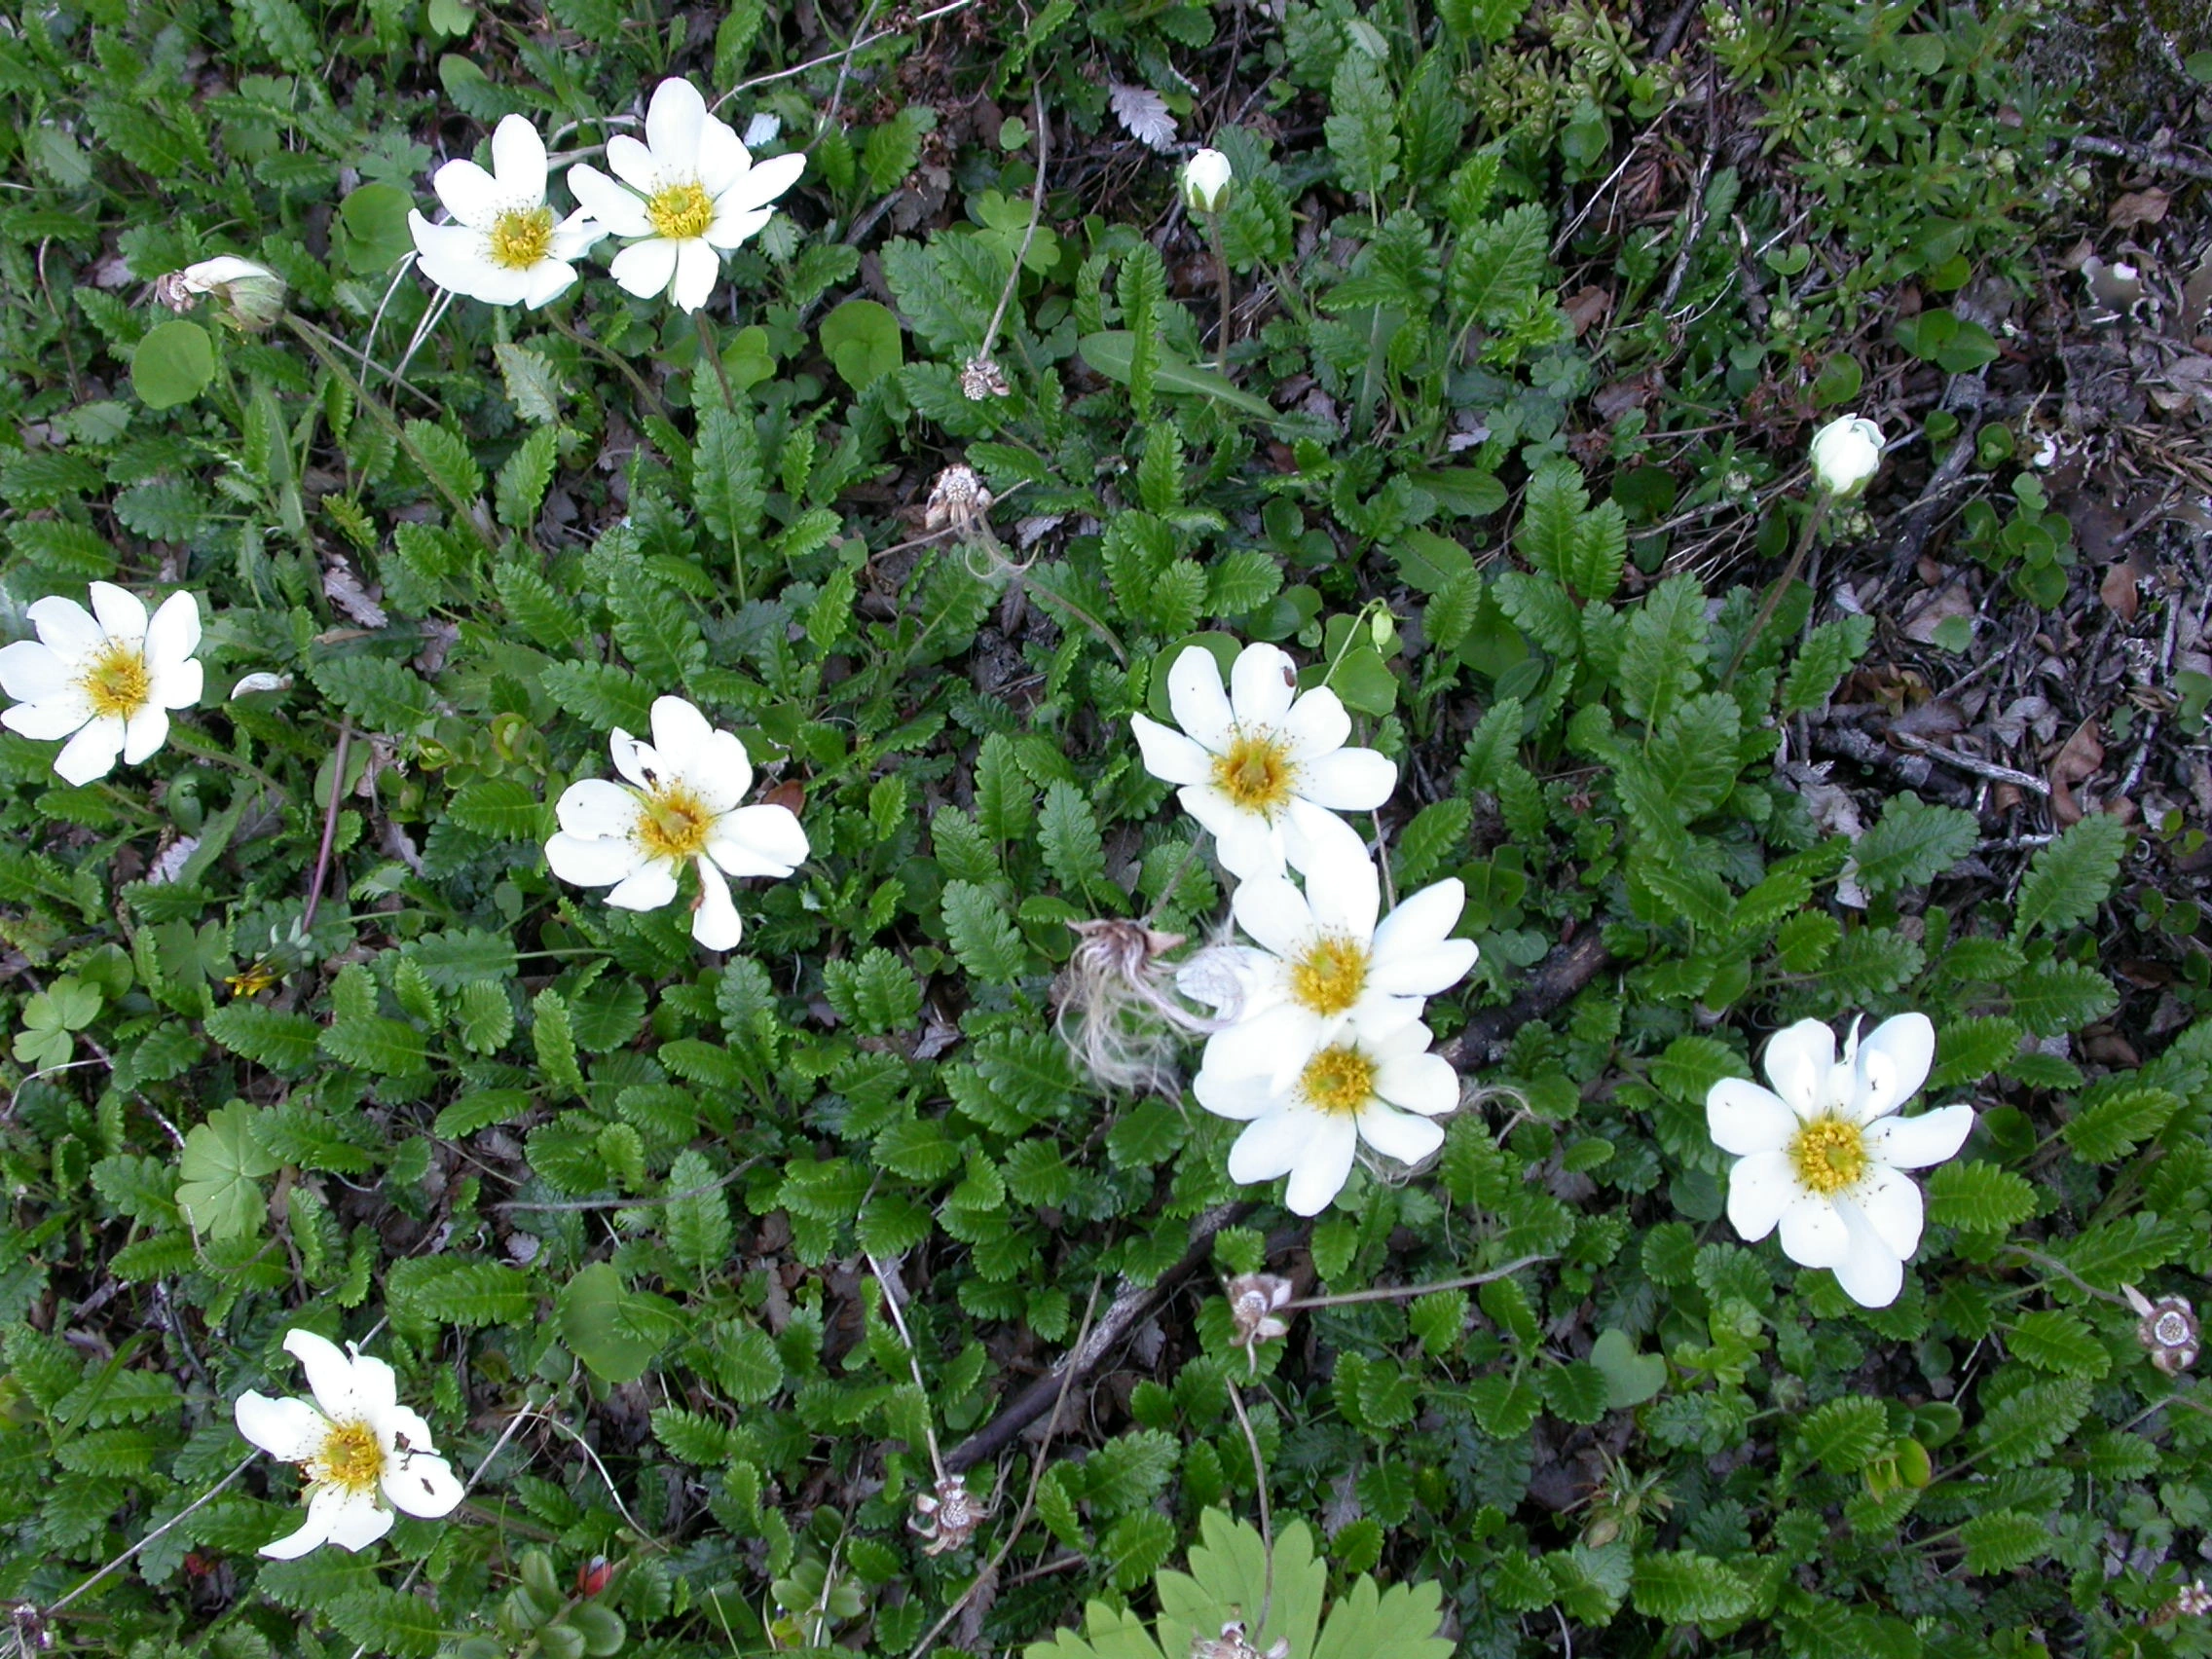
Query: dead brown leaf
point(1587, 309)
point(2117, 590)
point(2076, 763)
point(1932, 610)
point(2139, 208)
point(1619, 397)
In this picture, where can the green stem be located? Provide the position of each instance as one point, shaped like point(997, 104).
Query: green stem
point(1813, 521)
point(1221, 277)
point(568, 331)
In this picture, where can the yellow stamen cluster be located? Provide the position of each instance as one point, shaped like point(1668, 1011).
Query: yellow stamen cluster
point(1830, 1156)
point(1256, 772)
point(521, 237)
point(673, 825)
point(1329, 977)
point(117, 681)
point(681, 212)
point(1339, 1080)
point(352, 1458)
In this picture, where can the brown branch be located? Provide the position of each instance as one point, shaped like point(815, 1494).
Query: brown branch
point(1134, 1304)
point(1551, 987)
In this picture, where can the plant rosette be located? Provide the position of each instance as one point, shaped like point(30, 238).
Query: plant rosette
point(1264, 769)
point(694, 193)
point(684, 805)
point(362, 1453)
point(1322, 971)
point(1820, 1156)
point(105, 678)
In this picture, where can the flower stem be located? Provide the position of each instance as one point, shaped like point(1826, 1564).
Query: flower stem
point(1221, 277)
point(201, 1502)
point(329, 825)
point(1813, 521)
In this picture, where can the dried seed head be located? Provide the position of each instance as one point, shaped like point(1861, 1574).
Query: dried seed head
point(1116, 1008)
point(2193, 1600)
point(957, 500)
point(1234, 1644)
point(1253, 1303)
point(981, 377)
point(29, 1627)
point(946, 1519)
point(2172, 1333)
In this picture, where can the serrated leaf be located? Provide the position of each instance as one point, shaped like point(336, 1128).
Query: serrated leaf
point(2028, 1425)
point(1843, 1435)
point(1143, 114)
point(281, 1042)
point(2118, 1122)
point(1068, 831)
point(1979, 1198)
point(976, 925)
point(1681, 1587)
point(505, 809)
point(2052, 1340)
point(1912, 844)
point(2070, 877)
point(2006, 1538)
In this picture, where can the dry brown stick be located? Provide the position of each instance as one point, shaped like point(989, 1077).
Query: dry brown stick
point(1134, 1302)
point(1551, 987)
point(2143, 155)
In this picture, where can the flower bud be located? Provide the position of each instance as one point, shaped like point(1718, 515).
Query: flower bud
point(1846, 453)
point(252, 296)
point(1206, 176)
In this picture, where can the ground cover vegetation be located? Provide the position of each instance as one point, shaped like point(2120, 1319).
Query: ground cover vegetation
point(1127, 829)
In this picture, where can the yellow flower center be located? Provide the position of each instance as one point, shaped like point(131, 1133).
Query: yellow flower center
point(1255, 773)
point(351, 1458)
point(522, 237)
point(116, 681)
point(1829, 1155)
point(681, 212)
point(1329, 977)
point(1338, 1080)
point(675, 823)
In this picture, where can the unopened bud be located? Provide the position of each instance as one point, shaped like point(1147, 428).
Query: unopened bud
point(250, 295)
point(1205, 179)
point(1846, 454)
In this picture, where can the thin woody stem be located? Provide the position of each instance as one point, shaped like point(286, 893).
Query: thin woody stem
point(201, 1502)
point(1397, 1292)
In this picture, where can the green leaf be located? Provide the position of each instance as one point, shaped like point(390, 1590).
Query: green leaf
point(2028, 1425)
point(876, 994)
point(1822, 660)
point(2070, 876)
point(1360, 128)
point(1577, 1391)
point(976, 925)
point(698, 1227)
point(533, 386)
point(1497, 267)
point(2052, 1340)
point(1680, 1587)
point(545, 615)
point(521, 488)
point(1663, 651)
point(2004, 1539)
point(1230, 1578)
point(426, 1292)
point(172, 364)
point(1068, 831)
point(2118, 1122)
point(389, 1621)
point(1113, 354)
point(381, 695)
point(1979, 1198)
point(727, 479)
point(504, 809)
point(1631, 1377)
point(1436, 834)
point(1843, 1435)
point(1127, 1472)
point(2052, 997)
point(617, 1333)
point(1912, 844)
point(862, 342)
point(281, 1042)
point(554, 1038)
point(602, 695)
point(220, 1170)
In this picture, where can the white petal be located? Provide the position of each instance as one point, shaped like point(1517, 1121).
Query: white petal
point(518, 158)
point(355, 1519)
point(1344, 895)
point(1271, 1145)
point(595, 808)
point(173, 634)
point(314, 1534)
point(1274, 1043)
point(723, 158)
point(680, 730)
point(1915, 1143)
point(397, 1423)
point(697, 268)
point(1248, 846)
point(1813, 1235)
point(252, 685)
point(1421, 921)
point(758, 840)
point(1241, 1098)
point(1167, 753)
point(649, 887)
point(376, 1390)
point(179, 688)
point(144, 733)
point(288, 1430)
point(1349, 779)
point(633, 164)
point(67, 627)
point(577, 234)
point(596, 862)
point(1761, 1188)
point(1400, 1134)
point(121, 616)
point(1275, 914)
point(1744, 1118)
point(765, 181)
point(1376, 1017)
point(1892, 1205)
point(618, 211)
point(1870, 1272)
point(645, 269)
point(671, 124)
point(719, 772)
point(1322, 1166)
point(1262, 683)
point(31, 671)
point(1424, 976)
point(1317, 724)
point(733, 227)
point(1312, 837)
point(93, 753)
point(1419, 1083)
point(548, 280)
point(471, 194)
point(1893, 1063)
point(50, 719)
point(422, 1485)
point(1201, 705)
point(1798, 1061)
point(714, 921)
point(330, 1373)
point(635, 761)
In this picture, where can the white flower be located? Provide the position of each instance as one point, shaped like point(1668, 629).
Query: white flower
point(109, 676)
point(684, 810)
point(1820, 1155)
point(1846, 454)
point(363, 1453)
point(503, 247)
point(1385, 1090)
point(1325, 971)
point(696, 192)
point(1206, 175)
point(1265, 773)
point(253, 295)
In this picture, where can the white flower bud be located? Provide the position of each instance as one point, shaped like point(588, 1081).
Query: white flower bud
point(1206, 175)
point(251, 295)
point(1846, 454)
